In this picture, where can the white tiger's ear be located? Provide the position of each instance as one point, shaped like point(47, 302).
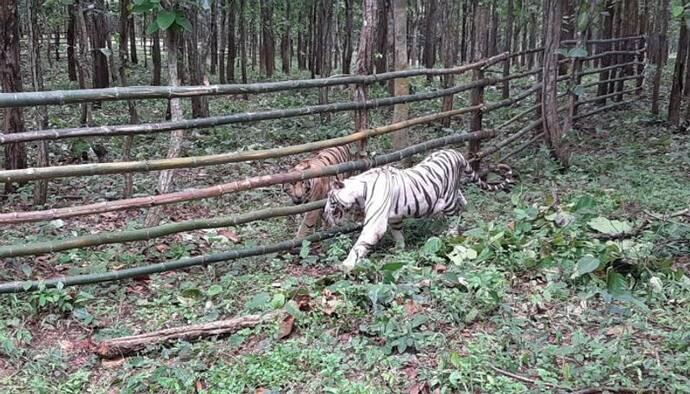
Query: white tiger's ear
point(336, 185)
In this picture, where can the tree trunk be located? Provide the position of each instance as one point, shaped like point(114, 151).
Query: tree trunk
point(243, 45)
point(143, 41)
point(71, 62)
point(98, 34)
point(156, 58)
point(177, 136)
point(429, 55)
point(322, 28)
point(213, 48)
point(267, 40)
point(285, 42)
point(133, 41)
point(380, 65)
point(197, 54)
point(606, 33)
point(11, 78)
point(550, 122)
point(448, 52)
point(401, 86)
point(365, 61)
point(33, 6)
point(506, 48)
point(463, 34)
point(347, 45)
point(82, 58)
point(630, 28)
point(57, 44)
point(133, 115)
point(222, 72)
point(481, 49)
point(675, 100)
point(658, 50)
point(232, 46)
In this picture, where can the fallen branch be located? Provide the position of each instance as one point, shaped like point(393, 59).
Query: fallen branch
point(120, 347)
point(520, 377)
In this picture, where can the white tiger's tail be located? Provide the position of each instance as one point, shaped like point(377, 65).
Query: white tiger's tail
point(505, 184)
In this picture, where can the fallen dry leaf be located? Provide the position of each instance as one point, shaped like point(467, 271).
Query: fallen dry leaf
point(412, 307)
point(229, 234)
point(114, 363)
point(286, 326)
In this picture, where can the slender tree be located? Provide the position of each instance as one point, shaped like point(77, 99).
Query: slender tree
point(401, 86)
point(267, 53)
point(675, 100)
point(232, 43)
point(286, 41)
point(33, 6)
point(347, 44)
point(365, 60)
point(508, 39)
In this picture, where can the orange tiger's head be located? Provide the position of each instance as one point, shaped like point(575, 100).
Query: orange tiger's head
point(300, 191)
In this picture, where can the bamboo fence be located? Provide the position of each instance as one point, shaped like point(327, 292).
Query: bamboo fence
point(61, 97)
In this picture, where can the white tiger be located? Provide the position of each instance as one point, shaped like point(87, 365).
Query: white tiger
point(388, 195)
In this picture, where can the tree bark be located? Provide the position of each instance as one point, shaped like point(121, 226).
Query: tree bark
point(97, 35)
point(401, 86)
point(33, 6)
point(606, 33)
point(243, 45)
point(365, 61)
point(429, 55)
point(481, 49)
point(213, 48)
point(448, 52)
point(71, 62)
point(675, 100)
point(133, 115)
point(232, 45)
point(550, 122)
point(285, 41)
point(133, 56)
point(177, 136)
point(11, 78)
point(197, 53)
point(507, 48)
point(267, 38)
point(322, 26)
point(658, 50)
point(347, 45)
point(156, 58)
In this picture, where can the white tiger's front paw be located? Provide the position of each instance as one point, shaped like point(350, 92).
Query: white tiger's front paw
point(349, 264)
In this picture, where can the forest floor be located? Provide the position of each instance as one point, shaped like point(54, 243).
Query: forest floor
point(548, 288)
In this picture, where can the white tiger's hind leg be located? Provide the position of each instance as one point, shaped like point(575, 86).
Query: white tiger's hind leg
point(396, 232)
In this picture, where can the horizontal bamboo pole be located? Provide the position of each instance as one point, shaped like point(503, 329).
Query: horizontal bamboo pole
point(604, 41)
point(500, 145)
point(598, 70)
point(613, 53)
point(587, 85)
point(249, 183)
point(93, 169)
point(517, 117)
point(521, 147)
point(605, 96)
point(213, 121)
point(60, 97)
point(605, 108)
point(144, 234)
point(29, 285)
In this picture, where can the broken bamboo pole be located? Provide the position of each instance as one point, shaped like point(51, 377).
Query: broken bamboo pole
point(125, 346)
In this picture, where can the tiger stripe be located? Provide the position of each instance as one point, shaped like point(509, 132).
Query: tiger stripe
point(388, 195)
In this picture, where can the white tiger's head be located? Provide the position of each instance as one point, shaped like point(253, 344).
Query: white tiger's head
point(343, 198)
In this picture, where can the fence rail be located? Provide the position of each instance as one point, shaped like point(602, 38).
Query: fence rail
point(478, 107)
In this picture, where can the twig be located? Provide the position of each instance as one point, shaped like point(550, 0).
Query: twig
point(626, 234)
point(592, 390)
point(519, 377)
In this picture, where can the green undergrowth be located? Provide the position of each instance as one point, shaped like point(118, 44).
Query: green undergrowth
point(573, 280)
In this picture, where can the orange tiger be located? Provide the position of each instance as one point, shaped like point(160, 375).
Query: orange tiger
point(316, 189)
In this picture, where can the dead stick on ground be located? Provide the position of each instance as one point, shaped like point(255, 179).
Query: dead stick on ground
point(519, 377)
point(119, 347)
